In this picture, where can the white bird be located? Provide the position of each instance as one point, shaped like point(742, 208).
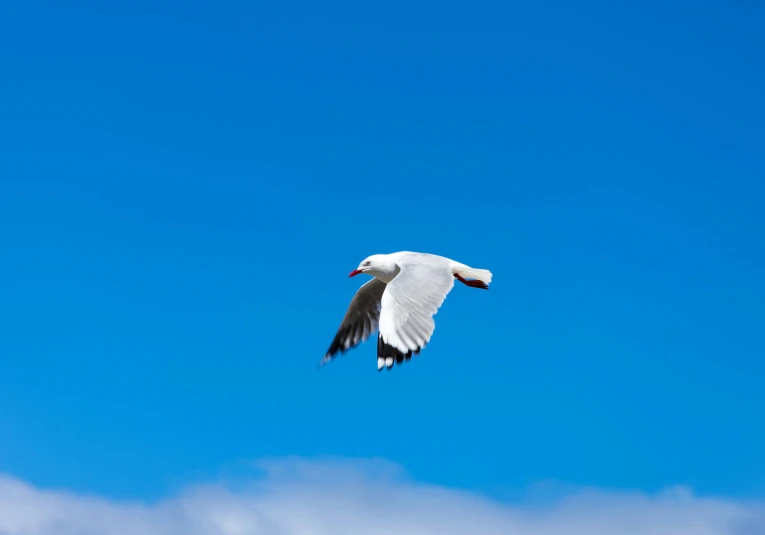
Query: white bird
point(406, 292)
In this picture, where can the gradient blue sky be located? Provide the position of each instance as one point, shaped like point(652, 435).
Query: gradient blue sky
point(184, 188)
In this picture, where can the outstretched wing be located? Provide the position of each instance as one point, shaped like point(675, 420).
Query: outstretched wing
point(408, 305)
point(360, 320)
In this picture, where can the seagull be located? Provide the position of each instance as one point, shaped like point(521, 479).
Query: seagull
point(406, 291)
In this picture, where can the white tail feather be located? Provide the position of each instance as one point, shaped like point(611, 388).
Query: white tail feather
point(483, 275)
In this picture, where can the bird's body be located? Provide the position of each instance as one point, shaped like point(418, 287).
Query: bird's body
point(406, 292)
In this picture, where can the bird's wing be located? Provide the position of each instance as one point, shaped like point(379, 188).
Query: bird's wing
point(360, 320)
point(408, 305)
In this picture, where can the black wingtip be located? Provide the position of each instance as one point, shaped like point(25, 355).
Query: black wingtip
point(387, 355)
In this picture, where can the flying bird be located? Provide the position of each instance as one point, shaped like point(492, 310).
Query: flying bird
point(405, 293)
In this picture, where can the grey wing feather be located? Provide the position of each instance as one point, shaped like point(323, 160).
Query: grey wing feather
point(360, 320)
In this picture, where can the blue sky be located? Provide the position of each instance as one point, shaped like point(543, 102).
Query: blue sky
point(184, 188)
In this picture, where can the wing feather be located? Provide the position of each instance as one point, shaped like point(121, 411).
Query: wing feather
point(408, 304)
point(360, 320)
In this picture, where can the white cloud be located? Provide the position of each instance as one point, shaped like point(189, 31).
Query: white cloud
point(297, 497)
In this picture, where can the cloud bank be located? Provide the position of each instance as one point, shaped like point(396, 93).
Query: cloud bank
point(297, 497)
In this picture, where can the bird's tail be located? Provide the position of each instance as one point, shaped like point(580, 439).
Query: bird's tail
point(483, 275)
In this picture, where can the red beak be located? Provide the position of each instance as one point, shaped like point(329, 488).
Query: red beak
point(354, 272)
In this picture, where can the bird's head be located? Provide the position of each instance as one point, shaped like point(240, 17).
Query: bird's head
point(375, 265)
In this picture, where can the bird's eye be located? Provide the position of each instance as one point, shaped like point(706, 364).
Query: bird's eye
point(367, 263)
